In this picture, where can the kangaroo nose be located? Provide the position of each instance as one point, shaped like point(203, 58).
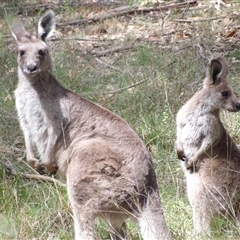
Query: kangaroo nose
point(238, 106)
point(32, 67)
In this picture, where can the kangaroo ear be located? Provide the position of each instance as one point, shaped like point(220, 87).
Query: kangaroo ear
point(16, 28)
point(46, 25)
point(218, 68)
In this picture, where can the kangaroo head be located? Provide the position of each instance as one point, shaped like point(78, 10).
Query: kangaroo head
point(33, 55)
point(220, 92)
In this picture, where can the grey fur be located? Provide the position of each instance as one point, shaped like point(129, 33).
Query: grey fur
point(212, 160)
point(108, 170)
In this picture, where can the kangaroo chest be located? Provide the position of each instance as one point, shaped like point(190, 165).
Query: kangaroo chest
point(35, 119)
point(199, 131)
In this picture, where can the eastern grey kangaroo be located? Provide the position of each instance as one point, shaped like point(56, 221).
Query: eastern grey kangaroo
point(211, 158)
point(108, 170)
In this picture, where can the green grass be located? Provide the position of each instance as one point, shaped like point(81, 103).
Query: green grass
point(168, 74)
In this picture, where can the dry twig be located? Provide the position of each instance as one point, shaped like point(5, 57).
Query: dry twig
point(42, 178)
point(135, 84)
point(106, 64)
point(12, 171)
point(125, 88)
point(198, 20)
point(112, 50)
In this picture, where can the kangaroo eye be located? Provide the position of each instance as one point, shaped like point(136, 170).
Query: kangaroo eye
point(21, 53)
point(225, 93)
point(41, 52)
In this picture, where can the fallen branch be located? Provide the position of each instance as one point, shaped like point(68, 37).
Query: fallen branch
point(42, 178)
point(198, 20)
point(125, 88)
point(119, 12)
point(107, 65)
point(112, 50)
point(92, 40)
point(12, 171)
point(182, 48)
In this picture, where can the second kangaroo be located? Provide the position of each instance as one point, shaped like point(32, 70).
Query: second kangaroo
point(212, 160)
point(108, 170)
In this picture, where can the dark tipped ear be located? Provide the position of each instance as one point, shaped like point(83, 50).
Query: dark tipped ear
point(46, 25)
point(224, 71)
point(215, 70)
point(16, 28)
point(218, 69)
